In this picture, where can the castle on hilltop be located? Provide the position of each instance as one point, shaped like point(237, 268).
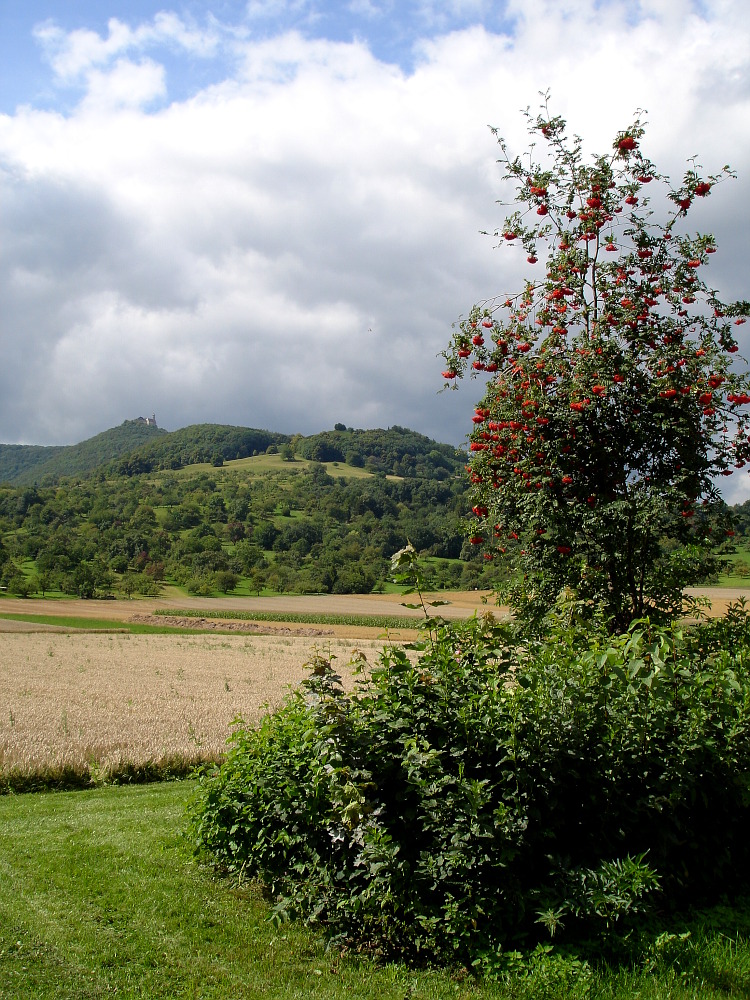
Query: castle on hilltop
point(148, 421)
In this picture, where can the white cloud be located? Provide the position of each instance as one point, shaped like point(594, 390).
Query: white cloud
point(289, 246)
point(73, 55)
point(125, 85)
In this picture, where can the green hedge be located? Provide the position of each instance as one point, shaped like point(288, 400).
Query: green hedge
point(487, 792)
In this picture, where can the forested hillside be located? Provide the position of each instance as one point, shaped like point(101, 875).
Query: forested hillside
point(135, 447)
point(219, 509)
point(215, 508)
point(19, 462)
point(196, 444)
point(27, 464)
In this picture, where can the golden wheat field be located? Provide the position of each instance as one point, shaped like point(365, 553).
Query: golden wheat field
point(98, 700)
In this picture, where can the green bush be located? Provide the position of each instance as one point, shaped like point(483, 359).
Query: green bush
point(481, 792)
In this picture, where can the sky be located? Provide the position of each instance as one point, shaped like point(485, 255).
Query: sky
point(270, 213)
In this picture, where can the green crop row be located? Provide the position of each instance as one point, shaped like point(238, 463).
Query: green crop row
point(298, 617)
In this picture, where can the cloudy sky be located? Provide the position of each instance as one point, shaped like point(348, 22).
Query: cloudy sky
point(268, 213)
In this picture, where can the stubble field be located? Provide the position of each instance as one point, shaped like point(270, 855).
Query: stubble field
point(98, 701)
point(101, 702)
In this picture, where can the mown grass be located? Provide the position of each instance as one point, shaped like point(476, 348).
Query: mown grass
point(258, 465)
point(731, 578)
point(102, 624)
point(100, 896)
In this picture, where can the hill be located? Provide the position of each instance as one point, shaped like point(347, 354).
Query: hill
point(213, 507)
point(24, 465)
point(195, 445)
point(18, 462)
point(396, 451)
point(135, 447)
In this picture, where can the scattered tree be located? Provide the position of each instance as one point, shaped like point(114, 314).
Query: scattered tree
point(226, 581)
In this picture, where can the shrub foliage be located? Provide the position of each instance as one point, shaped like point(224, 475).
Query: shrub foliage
point(476, 794)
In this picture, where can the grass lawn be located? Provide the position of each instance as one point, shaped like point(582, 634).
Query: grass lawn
point(100, 624)
point(99, 896)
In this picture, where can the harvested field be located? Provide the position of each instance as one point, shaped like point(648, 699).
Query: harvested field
point(227, 625)
point(96, 701)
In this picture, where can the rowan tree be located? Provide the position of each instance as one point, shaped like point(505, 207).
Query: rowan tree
point(614, 398)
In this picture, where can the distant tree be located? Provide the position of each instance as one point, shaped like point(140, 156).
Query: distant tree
point(235, 531)
point(216, 509)
point(20, 585)
point(226, 581)
point(82, 581)
point(265, 534)
point(202, 585)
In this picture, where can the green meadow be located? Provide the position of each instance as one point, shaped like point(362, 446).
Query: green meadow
point(100, 896)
